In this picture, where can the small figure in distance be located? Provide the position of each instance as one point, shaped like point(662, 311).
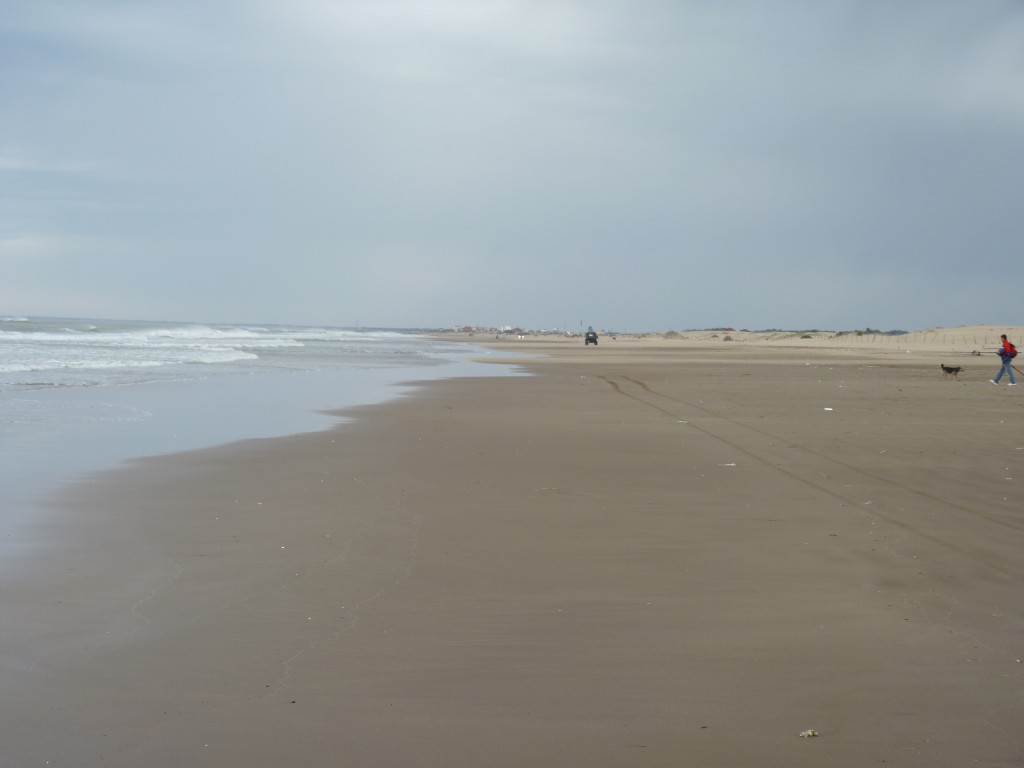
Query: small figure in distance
point(1006, 353)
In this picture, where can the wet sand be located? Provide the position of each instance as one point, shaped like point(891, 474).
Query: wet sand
point(642, 555)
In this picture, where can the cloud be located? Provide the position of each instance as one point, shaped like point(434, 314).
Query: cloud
point(42, 251)
point(28, 247)
point(13, 160)
point(419, 160)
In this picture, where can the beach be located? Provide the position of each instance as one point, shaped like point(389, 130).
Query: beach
point(653, 552)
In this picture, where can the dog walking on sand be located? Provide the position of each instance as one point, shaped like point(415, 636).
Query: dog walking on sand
point(950, 370)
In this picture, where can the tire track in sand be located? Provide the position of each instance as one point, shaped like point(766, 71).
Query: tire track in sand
point(649, 398)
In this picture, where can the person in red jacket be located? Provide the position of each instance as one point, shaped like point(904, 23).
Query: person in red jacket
point(1006, 353)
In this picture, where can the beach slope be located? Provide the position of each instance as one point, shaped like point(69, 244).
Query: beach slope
point(638, 556)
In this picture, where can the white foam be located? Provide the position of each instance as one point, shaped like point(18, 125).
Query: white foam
point(61, 352)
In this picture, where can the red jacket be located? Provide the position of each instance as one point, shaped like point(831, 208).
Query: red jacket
point(1007, 351)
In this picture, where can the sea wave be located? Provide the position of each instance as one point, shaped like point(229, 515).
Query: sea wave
point(54, 351)
point(148, 337)
point(226, 355)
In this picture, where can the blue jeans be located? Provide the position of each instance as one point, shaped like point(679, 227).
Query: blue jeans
point(1007, 368)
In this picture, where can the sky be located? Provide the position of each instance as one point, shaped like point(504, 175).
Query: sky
point(636, 165)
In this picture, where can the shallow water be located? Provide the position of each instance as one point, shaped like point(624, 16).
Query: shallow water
point(66, 418)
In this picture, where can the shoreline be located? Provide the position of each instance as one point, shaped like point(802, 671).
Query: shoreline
point(626, 558)
point(61, 435)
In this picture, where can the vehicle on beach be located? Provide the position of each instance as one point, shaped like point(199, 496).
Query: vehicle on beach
point(590, 337)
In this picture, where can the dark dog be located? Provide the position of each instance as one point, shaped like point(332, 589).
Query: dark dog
point(949, 370)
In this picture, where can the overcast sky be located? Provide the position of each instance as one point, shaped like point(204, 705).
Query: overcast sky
point(630, 164)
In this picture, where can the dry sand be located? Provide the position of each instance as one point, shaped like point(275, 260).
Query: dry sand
point(651, 553)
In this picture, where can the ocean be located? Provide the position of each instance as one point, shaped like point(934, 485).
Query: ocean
point(81, 395)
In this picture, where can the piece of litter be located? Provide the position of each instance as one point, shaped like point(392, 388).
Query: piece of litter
point(808, 733)
point(727, 465)
point(829, 409)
